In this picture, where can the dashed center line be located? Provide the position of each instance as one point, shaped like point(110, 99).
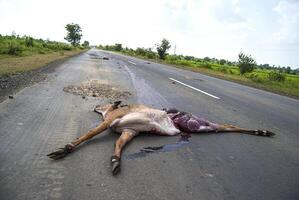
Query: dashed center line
point(198, 90)
point(132, 62)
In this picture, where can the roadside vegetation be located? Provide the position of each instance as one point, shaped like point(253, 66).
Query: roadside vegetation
point(23, 53)
point(281, 80)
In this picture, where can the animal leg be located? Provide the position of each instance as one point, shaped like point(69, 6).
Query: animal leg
point(217, 128)
point(231, 128)
point(126, 136)
point(62, 152)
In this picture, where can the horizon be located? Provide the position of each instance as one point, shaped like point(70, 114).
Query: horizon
point(221, 29)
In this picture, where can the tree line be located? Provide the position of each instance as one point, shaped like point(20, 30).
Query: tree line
point(246, 63)
point(16, 45)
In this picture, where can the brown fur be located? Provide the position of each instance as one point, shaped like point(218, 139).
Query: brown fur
point(113, 114)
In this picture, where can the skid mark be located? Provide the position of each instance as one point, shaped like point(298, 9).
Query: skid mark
point(145, 93)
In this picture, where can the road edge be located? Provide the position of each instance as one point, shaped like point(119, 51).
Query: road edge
point(22, 80)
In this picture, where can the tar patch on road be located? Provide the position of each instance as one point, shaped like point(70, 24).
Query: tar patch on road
point(95, 88)
point(145, 151)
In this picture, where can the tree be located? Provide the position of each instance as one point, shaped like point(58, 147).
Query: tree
point(118, 47)
point(85, 44)
point(73, 34)
point(222, 61)
point(288, 70)
point(246, 63)
point(162, 48)
point(189, 58)
point(207, 59)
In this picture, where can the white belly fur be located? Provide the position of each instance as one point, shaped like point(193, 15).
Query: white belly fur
point(147, 120)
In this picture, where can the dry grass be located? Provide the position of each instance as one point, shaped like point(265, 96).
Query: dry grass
point(17, 64)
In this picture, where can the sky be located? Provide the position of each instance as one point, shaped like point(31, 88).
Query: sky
point(266, 29)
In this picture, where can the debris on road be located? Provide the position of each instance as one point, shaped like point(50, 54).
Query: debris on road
point(95, 88)
point(96, 56)
point(10, 96)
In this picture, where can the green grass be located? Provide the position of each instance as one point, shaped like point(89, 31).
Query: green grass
point(19, 54)
point(259, 78)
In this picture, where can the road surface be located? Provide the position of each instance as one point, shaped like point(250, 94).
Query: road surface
point(42, 118)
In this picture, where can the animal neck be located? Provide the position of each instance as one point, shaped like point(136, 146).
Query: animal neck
point(117, 113)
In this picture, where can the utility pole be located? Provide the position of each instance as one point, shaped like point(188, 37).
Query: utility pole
point(174, 49)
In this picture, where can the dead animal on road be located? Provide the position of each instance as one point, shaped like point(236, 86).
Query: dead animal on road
point(130, 120)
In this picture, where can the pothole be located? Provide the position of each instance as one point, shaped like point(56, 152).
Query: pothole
point(96, 88)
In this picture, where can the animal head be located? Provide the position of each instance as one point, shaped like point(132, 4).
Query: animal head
point(105, 109)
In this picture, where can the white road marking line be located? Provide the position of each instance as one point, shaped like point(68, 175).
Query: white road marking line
point(132, 62)
point(198, 90)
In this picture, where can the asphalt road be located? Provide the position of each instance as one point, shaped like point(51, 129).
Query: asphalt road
point(42, 118)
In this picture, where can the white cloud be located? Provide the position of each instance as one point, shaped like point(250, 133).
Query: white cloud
point(289, 22)
point(218, 28)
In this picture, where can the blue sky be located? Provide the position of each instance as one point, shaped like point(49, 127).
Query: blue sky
point(266, 29)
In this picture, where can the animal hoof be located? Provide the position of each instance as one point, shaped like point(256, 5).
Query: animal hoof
point(269, 133)
point(115, 163)
point(62, 152)
point(264, 133)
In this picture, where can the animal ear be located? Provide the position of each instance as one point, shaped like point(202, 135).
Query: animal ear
point(116, 103)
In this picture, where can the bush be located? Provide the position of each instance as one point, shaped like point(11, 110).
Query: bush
point(189, 58)
point(85, 44)
point(184, 63)
point(276, 76)
point(66, 47)
point(205, 65)
point(27, 45)
point(223, 69)
point(254, 77)
point(29, 42)
point(246, 63)
point(51, 46)
point(14, 49)
point(140, 51)
point(44, 45)
point(150, 54)
point(173, 58)
point(41, 51)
